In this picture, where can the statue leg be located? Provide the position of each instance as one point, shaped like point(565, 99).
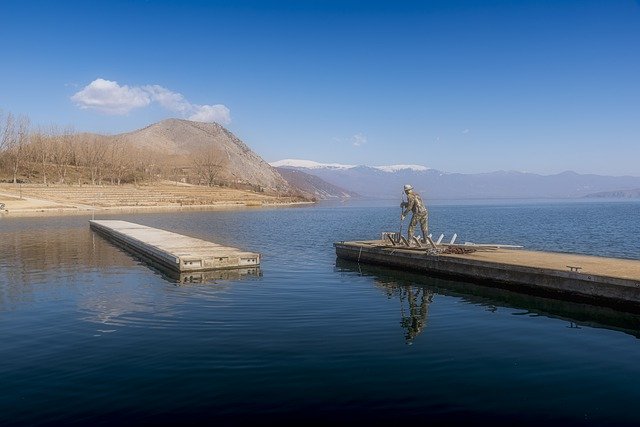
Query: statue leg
point(424, 226)
point(412, 227)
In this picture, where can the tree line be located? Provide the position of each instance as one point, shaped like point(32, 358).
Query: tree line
point(57, 155)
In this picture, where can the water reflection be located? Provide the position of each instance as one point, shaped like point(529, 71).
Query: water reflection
point(65, 264)
point(414, 311)
point(212, 276)
point(418, 300)
point(414, 304)
point(114, 303)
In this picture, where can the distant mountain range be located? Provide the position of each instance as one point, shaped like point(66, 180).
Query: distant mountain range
point(620, 194)
point(387, 182)
point(187, 146)
point(312, 185)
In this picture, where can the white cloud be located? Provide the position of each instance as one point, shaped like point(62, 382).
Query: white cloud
point(358, 140)
point(465, 131)
point(109, 97)
point(211, 113)
point(170, 100)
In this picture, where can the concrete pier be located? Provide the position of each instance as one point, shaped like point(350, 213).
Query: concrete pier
point(174, 251)
point(590, 278)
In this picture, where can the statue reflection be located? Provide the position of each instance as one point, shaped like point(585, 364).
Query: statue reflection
point(416, 291)
point(414, 305)
point(414, 296)
point(414, 318)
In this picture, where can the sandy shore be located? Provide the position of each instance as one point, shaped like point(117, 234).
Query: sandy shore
point(55, 200)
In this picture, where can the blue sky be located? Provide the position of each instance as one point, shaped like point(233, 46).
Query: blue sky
point(456, 85)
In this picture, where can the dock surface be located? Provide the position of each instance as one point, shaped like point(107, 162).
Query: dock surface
point(172, 250)
point(589, 277)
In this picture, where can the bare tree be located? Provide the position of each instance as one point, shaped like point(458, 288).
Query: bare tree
point(40, 151)
point(62, 153)
point(143, 164)
point(29, 166)
point(208, 166)
point(119, 160)
point(92, 153)
point(6, 123)
point(15, 139)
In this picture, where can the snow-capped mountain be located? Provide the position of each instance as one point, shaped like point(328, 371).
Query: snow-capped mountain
point(397, 168)
point(387, 181)
point(310, 164)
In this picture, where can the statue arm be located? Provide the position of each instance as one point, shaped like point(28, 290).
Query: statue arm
point(409, 205)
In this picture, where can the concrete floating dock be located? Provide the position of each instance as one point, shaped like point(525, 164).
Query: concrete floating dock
point(595, 279)
point(174, 251)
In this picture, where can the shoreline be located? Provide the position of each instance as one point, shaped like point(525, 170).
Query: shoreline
point(70, 211)
point(62, 200)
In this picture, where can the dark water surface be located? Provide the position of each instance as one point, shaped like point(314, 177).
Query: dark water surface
point(91, 335)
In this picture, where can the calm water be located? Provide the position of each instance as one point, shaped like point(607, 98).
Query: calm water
point(91, 335)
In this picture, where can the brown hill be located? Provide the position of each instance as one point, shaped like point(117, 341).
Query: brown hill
point(208, 151)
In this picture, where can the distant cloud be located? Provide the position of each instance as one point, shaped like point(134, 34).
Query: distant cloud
point(109, 97)
point(211, 113)
point(358, 140)
point(465, 131)
point(170, 100)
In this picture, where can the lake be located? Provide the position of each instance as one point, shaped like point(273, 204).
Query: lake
point(92, 335)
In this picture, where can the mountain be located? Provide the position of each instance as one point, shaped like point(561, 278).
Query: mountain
point(189, 144)
point(619, 194)
point(314, 186)
point(387, 181)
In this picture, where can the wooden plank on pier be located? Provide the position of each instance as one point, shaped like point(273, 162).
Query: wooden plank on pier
point(172, 250)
